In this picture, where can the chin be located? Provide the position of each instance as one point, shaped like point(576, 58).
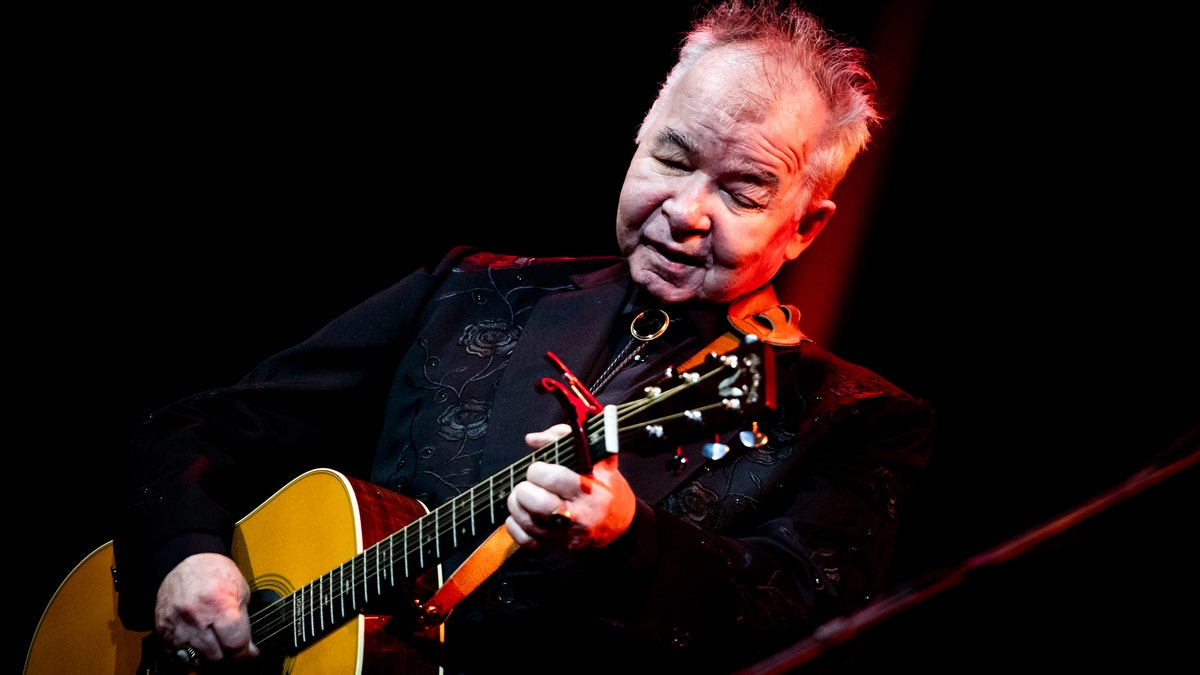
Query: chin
point(669, 282)
point(667, 291)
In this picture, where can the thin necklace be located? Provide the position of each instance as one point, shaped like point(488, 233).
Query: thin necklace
point(646, 326)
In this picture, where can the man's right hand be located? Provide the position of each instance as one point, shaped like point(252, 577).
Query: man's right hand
point(204, 604)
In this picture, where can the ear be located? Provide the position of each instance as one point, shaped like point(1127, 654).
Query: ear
point(810, 224)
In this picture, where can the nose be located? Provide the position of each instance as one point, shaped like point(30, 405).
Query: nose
point(688, 209)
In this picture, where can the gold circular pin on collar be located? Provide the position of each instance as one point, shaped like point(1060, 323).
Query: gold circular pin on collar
point(649, 325)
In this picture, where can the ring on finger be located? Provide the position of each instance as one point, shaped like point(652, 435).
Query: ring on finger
point(561, 517)
point(186, 654)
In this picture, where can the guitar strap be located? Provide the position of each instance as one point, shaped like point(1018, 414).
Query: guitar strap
point(480, 565)
point(758, 313)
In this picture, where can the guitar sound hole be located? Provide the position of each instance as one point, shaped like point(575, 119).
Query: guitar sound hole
point(262, 598)
point(272, 657)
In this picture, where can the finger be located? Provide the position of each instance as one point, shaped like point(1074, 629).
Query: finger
point(530, 506)
point(205, 644)
point(556, 479)
point(518, 533)
point(183, 638)
point(234, 638)
point(212, 644)
point(538, 439)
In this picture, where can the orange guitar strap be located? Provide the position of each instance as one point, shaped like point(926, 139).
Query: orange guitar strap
point(480, 565)
point(758, 313)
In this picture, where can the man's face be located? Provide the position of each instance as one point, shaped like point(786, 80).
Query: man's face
point(709, 209)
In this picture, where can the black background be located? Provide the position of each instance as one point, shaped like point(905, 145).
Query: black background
point(194, 191)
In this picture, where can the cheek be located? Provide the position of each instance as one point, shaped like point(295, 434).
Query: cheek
point(746, 246)
point(636, 204)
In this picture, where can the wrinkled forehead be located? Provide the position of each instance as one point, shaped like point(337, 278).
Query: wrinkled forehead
point(741, 84)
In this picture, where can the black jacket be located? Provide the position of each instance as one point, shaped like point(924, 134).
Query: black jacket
point(428, 388)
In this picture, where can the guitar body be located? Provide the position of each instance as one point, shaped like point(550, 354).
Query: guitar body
point(314, 523)
point(79, 632)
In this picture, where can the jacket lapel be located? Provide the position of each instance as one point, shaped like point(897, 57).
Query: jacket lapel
point(557, 324)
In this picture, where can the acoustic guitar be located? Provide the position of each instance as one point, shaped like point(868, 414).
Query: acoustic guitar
point(325, 547)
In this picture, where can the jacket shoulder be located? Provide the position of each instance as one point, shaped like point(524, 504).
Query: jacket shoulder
point(823, 370)
point(471, 259)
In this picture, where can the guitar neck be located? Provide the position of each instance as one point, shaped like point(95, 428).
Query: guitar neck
point(738, 385)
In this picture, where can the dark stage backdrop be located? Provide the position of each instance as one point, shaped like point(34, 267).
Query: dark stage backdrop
point(198, 191)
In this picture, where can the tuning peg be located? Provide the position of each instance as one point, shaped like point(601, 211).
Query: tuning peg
point(677, 461)
point(753, 438)
point(716, 449)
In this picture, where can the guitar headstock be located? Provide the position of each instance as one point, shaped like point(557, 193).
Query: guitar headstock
point(724, 392)
point(720, 393)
